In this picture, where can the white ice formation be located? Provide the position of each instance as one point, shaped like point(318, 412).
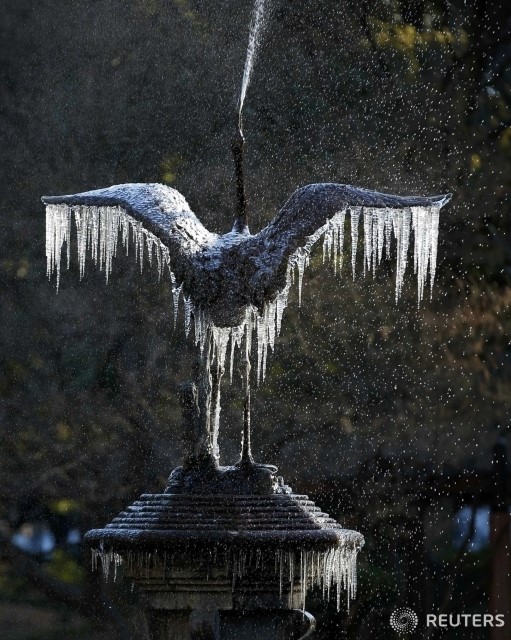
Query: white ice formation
point(332, 570)
point(100, 228)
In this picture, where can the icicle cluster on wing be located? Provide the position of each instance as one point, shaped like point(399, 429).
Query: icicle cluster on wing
point(236, 284)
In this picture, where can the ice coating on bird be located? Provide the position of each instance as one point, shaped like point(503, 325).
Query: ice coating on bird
point(236, 286)
point(158, 223)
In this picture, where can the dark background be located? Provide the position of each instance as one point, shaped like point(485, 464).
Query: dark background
point(385, 414)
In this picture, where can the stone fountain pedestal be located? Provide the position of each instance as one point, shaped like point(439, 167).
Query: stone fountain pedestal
point(228, 567)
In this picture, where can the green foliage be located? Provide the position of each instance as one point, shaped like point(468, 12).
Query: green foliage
point(65, 568)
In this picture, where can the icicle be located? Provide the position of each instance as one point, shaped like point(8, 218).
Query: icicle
point(125, 232)
point(303, 575)
point(261, 339)
point(301, 259)
point(68, 238)
point(49, 241)
point(188, 314)
point(425, 226)
point(435, 219)
point(355, 216)
point(331, 569)
point(401, 220)
point(368, 239)
point(176, 292)
point(150, 242)
point(271, 311)
point(380, 227)
point(159, 262)
point(327, 240)
point(94, 233)
point(376, 215)
point(388, 232)
point(140, 245)
point(340, 217)
point(82, 226)
point(58, 228)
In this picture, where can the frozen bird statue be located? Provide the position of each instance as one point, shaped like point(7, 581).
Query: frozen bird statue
point(237, 284)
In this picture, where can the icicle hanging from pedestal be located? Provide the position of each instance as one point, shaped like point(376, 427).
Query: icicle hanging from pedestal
point(331, 570)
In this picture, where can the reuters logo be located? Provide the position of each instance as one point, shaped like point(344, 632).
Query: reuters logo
point(404, 619)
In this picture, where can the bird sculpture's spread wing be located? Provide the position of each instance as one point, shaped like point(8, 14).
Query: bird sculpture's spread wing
point(311, 206)
point(157, 216)
point(319, 210)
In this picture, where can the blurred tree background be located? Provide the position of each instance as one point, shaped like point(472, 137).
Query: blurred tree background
point(367, 404)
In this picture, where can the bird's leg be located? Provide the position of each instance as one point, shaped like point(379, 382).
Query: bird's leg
point(246, 460)
point(241, 221)
point(192, 441)
point(198, 447)
point(246, 453)
point(215, 405)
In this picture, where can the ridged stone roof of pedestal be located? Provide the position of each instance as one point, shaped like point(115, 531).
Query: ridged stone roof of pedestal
point(189, 520)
